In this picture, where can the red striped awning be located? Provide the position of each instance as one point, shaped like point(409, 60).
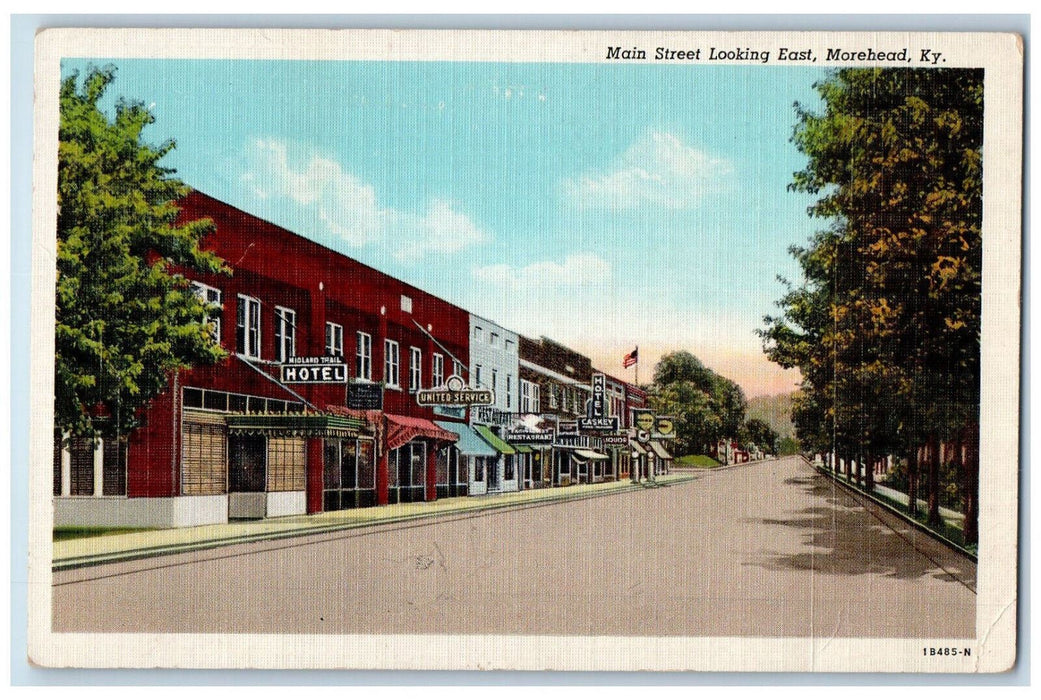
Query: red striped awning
point(404, 429)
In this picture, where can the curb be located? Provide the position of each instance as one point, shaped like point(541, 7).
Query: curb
point(895, 511)
point(79, 562)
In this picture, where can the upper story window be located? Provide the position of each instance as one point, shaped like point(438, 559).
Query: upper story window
point(406, 303)
point(457, 369)
point(285, 333)
point(510, 346)
point(478, 333)
point(477, 377)
point(509, 392)
point(536, 402)
point(495, 380)
point(391, 363)
point(415, 369)
point(437, 375)
point(552, 395)
point(210, 295)
point(333, 339)
point(247, 330)
point(493, 340)
point(363, 357)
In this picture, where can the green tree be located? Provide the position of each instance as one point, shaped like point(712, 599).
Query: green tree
point(125, 315)
point(891, 296)
point(761, 435)
point(707, 406)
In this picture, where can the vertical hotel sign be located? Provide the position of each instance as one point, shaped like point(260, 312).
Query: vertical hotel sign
point(598, 407)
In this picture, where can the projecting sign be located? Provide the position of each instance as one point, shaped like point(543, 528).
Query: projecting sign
point(365, 396)
point(314, 370)
point(454, 393)
point(594, 424)
point(616, 440)
point(644, 420)
point(529, 437)
point(597, 406)
point(664, 427)
point(567, 427)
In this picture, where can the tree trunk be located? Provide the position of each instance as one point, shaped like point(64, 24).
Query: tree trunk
point(971, 472)
point(912, 481)
point(869, 473)
point(933, 518)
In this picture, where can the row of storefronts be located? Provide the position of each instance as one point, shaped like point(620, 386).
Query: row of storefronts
point(330, 398)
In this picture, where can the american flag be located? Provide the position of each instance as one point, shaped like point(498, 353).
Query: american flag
point(631, 359)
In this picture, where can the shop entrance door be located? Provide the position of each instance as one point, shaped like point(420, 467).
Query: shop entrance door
point(247, 476)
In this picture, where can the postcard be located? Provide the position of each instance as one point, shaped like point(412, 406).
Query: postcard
point(531, 350)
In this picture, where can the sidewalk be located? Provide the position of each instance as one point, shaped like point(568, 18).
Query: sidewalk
point(885, 496)
point(951, 516)
point(88, 551)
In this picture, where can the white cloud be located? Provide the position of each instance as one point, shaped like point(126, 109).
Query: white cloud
point(657, 170)
point(441, 229)
point(580, 269)
point(347, 207)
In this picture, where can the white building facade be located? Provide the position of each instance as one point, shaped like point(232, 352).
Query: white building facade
point(494, 365)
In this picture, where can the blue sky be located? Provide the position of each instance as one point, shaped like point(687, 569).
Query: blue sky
point(605, 206)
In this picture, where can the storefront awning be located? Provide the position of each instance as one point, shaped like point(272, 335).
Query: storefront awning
point(294, 425)
point(590, 454)
point(494, 440)
point(469, 443)
point(523, 449)
point(402, 430)
point(660, 450)
point(638, 447)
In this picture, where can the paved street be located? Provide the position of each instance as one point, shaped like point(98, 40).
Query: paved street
point(769, 549)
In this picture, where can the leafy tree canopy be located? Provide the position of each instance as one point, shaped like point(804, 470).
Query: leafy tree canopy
point(125, 314)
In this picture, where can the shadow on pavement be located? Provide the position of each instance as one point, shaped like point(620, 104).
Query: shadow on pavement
point(843, 537)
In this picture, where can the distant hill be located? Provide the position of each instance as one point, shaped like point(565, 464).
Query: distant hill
point(776, 411)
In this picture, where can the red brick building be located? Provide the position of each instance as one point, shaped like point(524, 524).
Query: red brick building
point(232, 440)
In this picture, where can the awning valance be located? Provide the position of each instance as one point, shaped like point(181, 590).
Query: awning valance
point(294, 425)
point(494, 440)
point(469, 443)
point(404, 429)
point(660, 450)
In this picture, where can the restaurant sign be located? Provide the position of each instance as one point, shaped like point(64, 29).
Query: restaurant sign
point(529, 437)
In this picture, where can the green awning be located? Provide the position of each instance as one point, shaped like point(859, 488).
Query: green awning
point(522, 449)
point(295, 425)
point(494, 440)
point(469, 443)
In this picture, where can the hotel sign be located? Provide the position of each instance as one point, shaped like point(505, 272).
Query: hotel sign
point(314, 370)
point(597, 406)
point(607, 423)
